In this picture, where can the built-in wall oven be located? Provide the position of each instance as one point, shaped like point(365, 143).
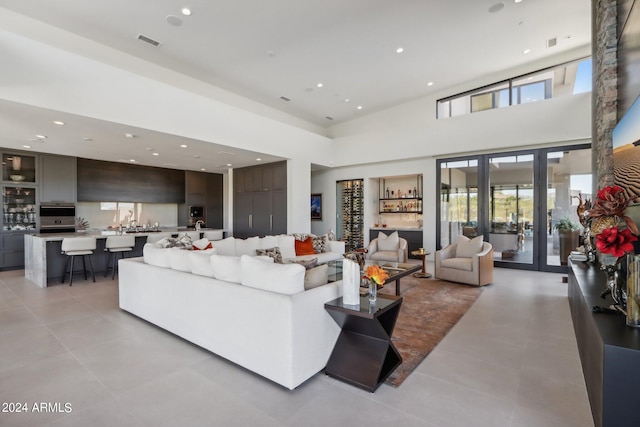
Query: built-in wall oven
point(196, 213)
point(57, 218)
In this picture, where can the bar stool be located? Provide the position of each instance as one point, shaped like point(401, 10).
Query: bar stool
point(78, 246)
point(117, 245)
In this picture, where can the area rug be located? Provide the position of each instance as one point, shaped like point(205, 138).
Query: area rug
point(430, 308)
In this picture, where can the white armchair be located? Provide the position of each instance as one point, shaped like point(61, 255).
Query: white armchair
point(377, 253)
point(476, 269)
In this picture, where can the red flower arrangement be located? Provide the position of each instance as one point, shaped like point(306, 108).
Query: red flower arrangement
point(606, 214)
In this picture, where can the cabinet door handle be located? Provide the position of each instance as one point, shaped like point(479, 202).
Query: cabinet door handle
point(270, 222)
point(250, 221)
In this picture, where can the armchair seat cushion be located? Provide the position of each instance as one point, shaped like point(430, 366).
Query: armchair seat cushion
point(465, 264)
point(391, 256)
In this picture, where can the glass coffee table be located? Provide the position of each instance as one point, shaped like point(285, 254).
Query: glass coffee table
point(395, 270)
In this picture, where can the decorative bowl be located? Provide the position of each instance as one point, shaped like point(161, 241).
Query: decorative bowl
point(17, 177)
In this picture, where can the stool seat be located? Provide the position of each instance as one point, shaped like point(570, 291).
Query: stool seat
point(78, 246)
point(117, 245)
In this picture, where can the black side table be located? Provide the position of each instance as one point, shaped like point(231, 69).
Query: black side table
point(364, 355)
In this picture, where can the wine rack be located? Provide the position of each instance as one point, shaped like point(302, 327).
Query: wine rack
point(352, 211)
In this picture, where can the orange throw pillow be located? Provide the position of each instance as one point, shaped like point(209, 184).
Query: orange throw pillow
point(304, 247)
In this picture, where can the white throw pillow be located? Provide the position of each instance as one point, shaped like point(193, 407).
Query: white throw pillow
point(201, 263)
point(466, 248)
point(316, 276)
point(247, 246)
point(388, 243)
point(155, 255)
point(285, 279)
point(268, 242)
point(179, 259)
point(226, 247)
point(226, 268)
point(287, 246)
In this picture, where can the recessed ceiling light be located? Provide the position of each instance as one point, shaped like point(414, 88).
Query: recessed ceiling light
point(41, 136)
point(129, 135)
point(259, 159)
point(229, 164)
point(156, 154)
point(26, 146)
point(186, 11)
point(524, 52)
point(132, 160)
point(319, 84)
point(58, 122)
point(400, 50)
point(196, 156)
point(183, 145)
point(87, 139)
point(359, 107)
point(203, 169)
point(517, 1)
point(430, 84)
point(347, 100)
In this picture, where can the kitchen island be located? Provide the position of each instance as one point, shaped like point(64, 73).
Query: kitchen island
point(45, 263)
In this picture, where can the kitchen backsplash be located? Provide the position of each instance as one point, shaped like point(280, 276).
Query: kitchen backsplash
point(110, 214)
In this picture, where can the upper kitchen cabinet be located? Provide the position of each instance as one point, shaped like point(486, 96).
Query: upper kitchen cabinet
point(18, 168)
point(100, 181)
point(58, 178)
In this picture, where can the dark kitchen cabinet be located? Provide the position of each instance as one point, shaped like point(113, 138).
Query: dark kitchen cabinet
point(12, 250)
point(203, 189)
point(58, 181)
point(260, 200)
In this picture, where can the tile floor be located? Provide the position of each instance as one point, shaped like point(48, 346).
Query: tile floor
point(511, 361)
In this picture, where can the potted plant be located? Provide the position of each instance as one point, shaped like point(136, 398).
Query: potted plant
point(568, 232)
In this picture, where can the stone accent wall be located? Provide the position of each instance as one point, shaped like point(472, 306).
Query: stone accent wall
point(605, 92)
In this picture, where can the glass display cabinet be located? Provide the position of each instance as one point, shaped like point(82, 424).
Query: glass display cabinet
point(19, 192)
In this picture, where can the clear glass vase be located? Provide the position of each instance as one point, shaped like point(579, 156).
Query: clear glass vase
point(373, 291)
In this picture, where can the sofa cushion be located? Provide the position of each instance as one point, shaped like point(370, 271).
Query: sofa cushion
point(247, 246)
point(179, 259)
point(226, 247)
point(154, 254)
point(391, 256)
point(285, 279)
point(271, 252)
point(316, 276)
point(201, 263)
point(466, 248)
point(388, 243)
point(465, 264)
point(304, 247)
point(226, 268)
point(287, 246)
point(267, 242)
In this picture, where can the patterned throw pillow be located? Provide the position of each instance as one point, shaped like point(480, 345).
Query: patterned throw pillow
point(272, 252)
point(308, 264)
point(300, 236)
point(320, 244)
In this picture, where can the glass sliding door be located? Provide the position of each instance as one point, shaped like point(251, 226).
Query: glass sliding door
point(458, 200)
point(568, 176)
point(512, 208)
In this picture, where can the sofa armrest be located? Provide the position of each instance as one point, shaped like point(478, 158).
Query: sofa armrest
point(403, 251)
point(336, 246)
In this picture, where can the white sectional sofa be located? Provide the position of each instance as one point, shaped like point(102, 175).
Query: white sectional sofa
point(260, 316)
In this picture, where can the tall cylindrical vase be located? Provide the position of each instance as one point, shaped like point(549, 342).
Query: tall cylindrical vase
point(633, 290)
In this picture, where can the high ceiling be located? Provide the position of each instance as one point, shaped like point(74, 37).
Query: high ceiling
point(334, 60)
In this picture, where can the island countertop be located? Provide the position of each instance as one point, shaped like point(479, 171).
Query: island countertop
point(45, 263)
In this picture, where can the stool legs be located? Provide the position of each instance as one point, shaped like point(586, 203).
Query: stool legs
point(84, 265)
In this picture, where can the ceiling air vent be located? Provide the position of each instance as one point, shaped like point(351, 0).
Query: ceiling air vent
point(148, 40)
point(328, 117)
point(284, 98)
point(552, 42)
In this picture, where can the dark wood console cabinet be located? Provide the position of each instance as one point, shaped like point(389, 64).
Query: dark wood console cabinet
point(609, 351)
